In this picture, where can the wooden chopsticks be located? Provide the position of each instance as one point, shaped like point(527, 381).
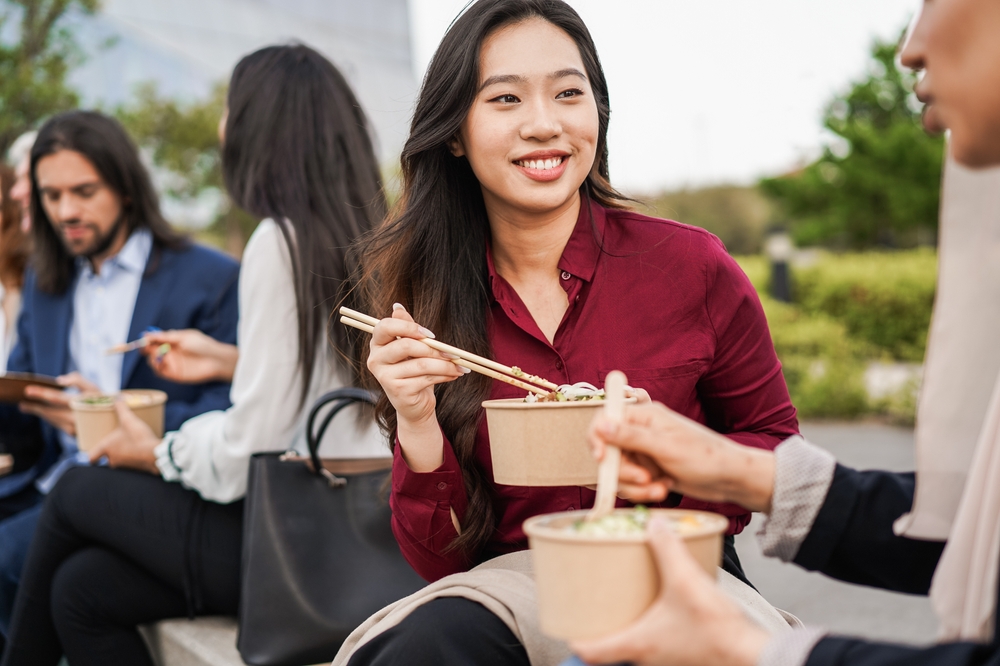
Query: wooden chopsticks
point(474, 362)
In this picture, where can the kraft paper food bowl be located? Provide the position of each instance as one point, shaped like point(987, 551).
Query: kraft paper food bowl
point(591, 586)
point(95, 416)
point(542, 443)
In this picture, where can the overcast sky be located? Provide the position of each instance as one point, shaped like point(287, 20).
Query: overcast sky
point(713, 91)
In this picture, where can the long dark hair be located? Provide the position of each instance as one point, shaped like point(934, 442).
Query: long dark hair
point(297, 149)
point(430, 254)
point(15, 245)
point(106, 145)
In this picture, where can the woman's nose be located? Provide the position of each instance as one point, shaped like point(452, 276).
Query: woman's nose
point(541, 122)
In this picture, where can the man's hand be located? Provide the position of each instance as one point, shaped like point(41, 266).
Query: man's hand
point(53, 404)
point(691, 623)
point(130, 445)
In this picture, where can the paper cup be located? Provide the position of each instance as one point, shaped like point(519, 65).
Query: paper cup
point(591, 586)
point(94, 421)
point(542, 443)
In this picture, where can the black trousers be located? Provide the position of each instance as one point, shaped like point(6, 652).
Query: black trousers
point(449, 630)
point(115, 549)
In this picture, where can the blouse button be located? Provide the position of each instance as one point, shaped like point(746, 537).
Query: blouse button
point(559, 364)
point(565, 275)
point(442, 485)
point(571, 508)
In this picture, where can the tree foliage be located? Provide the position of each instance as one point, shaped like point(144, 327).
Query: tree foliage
point(33, 70)
point(183, 141)
point(879, 182)
point(182, 138)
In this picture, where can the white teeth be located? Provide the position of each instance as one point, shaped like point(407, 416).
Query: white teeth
point(542, 165)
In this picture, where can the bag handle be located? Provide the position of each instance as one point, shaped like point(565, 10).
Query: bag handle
point(340, 398)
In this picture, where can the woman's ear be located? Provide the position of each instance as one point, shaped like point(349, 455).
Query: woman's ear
point(456, 147)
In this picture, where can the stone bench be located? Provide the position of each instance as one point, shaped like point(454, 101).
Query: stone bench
point(206, 641)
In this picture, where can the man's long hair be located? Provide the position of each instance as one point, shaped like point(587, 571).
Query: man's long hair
point(103, 141)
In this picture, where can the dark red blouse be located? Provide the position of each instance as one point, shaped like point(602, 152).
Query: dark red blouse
point(662, 302)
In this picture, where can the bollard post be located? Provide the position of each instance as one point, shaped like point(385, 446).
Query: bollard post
point(779, 249)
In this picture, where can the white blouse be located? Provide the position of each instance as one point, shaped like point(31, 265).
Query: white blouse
point(211, 452)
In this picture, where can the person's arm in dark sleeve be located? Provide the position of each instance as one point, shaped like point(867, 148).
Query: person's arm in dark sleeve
point(839, 521)
point(218, 319)
point(837, 651)
point(852, 538)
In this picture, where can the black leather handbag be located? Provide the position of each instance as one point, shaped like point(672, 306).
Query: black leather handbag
point(319, 556)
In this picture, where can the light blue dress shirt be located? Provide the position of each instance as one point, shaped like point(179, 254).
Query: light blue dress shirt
point(103, 304)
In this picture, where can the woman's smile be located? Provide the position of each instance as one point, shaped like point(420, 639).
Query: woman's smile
point(543, 165)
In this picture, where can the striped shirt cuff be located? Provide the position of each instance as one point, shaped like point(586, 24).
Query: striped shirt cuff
point(164, 458)
point(802, 477)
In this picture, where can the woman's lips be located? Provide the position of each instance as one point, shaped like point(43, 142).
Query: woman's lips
point(543, 169)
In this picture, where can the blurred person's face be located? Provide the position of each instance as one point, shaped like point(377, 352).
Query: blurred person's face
point(531, 133)
point(84, 211)
point(957, 45)
point(21, 192)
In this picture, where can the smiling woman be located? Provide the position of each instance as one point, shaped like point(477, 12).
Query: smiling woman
point(510, 242)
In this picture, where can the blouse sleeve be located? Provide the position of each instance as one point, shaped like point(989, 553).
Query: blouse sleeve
point(425, 509)
point(743, 391)
point(211, 452)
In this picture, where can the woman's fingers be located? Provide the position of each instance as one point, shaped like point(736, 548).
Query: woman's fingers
point(388, 330)
point(403, 349)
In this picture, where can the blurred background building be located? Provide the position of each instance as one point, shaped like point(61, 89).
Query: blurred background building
point(186, 47)
point(183, 49)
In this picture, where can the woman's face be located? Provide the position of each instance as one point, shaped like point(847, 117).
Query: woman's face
point(531, 133)
point(957, 45)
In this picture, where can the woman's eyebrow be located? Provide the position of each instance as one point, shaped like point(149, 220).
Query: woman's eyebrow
point(569, 71)
point(517, 78)
point(501, 78)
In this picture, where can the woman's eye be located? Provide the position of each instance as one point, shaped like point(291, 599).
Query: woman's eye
point(506, 99)
point(566, 94)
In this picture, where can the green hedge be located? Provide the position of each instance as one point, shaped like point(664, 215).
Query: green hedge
point(822, 364)
point(882, 298)
point(849, 310)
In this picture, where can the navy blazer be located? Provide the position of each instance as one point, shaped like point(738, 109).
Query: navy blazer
point(852, 540)
point(193, 287)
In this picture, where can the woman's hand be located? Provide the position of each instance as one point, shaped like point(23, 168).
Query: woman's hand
point(189, 356)
point(664, 451)
point(408, 371)
point(53, 404)
point(129, 445)
point(691, 622)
